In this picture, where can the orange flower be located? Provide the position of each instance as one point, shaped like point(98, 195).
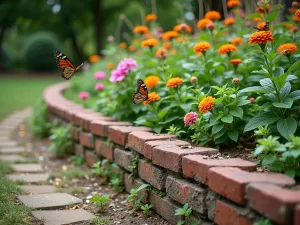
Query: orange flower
point(206, 104)
point(261, 37)
point(237, 40)
point(296, 19)
point(151, 81)
point(151, 98)
point(140, 29)
point(292, 10)
point(201, 47)
point(297, 14)
point(131, 48)
point(123, 45)
point(167, 45)
point(169, 35)
point(261, 9)
point(229, 21)
point(174, 82)
point(227, 48)
point(288, 48)
point(288, 25)
point(181, 39)
point(110, 66)
point(261, 25)
point(212, 15)
point(150, 43)
point(235, 61)
point(233, 3)
point(257, 19)
point(94, 58)
point(161, 53)
point(203, 22)
point(150, 17)
point(182, 28)
point(173, 51)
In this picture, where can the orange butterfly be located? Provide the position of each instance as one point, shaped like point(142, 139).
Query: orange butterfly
point(141, 93)
point(265, 28)
point(67, 67)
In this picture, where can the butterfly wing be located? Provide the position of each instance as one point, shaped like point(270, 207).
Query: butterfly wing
point(141, 93)
point(62, 60)
point(67, 72)
point(138, 98)
point(266, 27)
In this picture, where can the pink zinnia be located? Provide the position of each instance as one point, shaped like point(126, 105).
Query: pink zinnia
point(190, 118)
point(99, 75)
point(84, 95)
point(127, 64)
point(118, 75)
point(99, 87)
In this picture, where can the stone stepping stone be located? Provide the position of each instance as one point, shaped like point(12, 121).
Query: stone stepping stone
point(8, 144)
point(12, 158)
point(27, 168)
point(4, 139)
point(39, 189)
point(59, 217)
point(11, 150)
point(29, 178)
point(49, 201)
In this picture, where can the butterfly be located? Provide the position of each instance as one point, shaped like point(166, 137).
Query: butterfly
point(265, 28)
point(141, 93)
point(67, 67)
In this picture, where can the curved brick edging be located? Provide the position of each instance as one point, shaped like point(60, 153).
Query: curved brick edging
point(225, 192)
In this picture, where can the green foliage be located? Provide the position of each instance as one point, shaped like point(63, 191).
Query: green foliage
point(101, 201)
point(15, 214)
point(185, 213)
point(77, 160)
point(263, 222)
point(5, 168)
point(70, 173)
point(8, 190)
point(175, 130)
point(135, 198)
point(77, 190)
point(115, 183)
point(146, 209)
point(5, 58)
point(61, 141)
point(100, 220)
point(133, 167)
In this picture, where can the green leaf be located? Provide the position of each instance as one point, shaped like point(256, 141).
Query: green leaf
point(257, 89)
point(295, 95)
point(272, 16)
point(261, 119)
point(292, 67)
point(169, 120)
point(237, 112)
point(163, 112)
point(291, 173)
point(227, 119)
point(285, 104)
point(287, 127)
point(186, 107)
point(216, 128)
point(278, 71)
point(285, 90)
point(267, 84)
point(233, 135)
point(276, 166)
point(268, 159)
point(157, 129)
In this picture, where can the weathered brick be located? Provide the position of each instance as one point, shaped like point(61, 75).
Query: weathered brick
point(75, 133)
point(91, 158)
point(149, 145)
point(297, 215)
point(100, 127)
point(119, 134)
point(273, 201)
point(210, 203)
point(136, 183)
point(195, 166)
point(231, 182)
point(227, 214)
point(123, 158)
point(184, 191)
point(79, 150)
point(152, 174)
point(104, 149)
point(137, 139)
point(170, 156)
point(86, 139)
point(89, 118)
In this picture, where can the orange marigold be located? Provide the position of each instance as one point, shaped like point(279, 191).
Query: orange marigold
point(161, 53)
point(140, 29)
point(183, 28)
point(261, 37)
point(237, 41)
point(257, 19)
point(173, 51)
point(233, 3)
point(123, 45)
point(169, 35)
point(110, 66)
point(151, 81)
point(296, 19)
point(167, 45)
point(201, 47)
point(174, 82)
point(297, 14)
point(227, 48)
point(235, 61)
point(287, 48)
point(203, 22)
point(150, 43)
point(229, 21)
point(206, 104)
point(131, 48)
point(150, 17)
point(261, 9)
point(212, 15)
point(94, 58)
point(151, 98)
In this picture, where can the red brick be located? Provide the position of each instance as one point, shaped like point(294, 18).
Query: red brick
point(184, 191)
point(77, 117)
point(135, 183)
point(91, 158)
point(273, 201)
point(226, 214)
point(297, 215)
point(137, 139)
point(100, 127)
point(104, 149)
point(149, 145)
point(119, 134)
point(231, 182)
point(78, 150)
point(123, 158)
point(75, 133)
point(87, 120)
point(152, 174)
point(195, 166)
point(170, 156)
point(86, 139)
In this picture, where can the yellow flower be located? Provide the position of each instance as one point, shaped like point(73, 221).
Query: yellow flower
point(110, 66)
point(235, 61)
point(150, 17)
point(150, 43)
point(206, 104)
point(212, 15)
point(237, 41)
point(151, 81)
point(94, 58)
point(151, 98)
point(169, 35)
point(288, 48)
point(201, 47)
point(261, 37)
point(203, 22)
point(174, 82)
point(140, 29)
point(227, 48)
point(229, 21)
point(233, 3)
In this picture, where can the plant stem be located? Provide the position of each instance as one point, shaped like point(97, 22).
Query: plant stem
point(176, 91)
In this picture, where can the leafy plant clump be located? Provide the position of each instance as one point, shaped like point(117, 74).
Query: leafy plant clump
point(61, 141)
point(185, 213)
point(135, 197)
point(101, 201)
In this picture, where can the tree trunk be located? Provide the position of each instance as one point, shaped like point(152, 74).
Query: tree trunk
point(98, 16)
point(2, 32)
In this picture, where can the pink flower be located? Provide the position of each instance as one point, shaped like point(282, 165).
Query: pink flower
point(84, 95)
point(190, 118)
point(118, 75)
point(210, 26)
point(110, 38)
point(99, 75)
point(123, 69)
point(99, 87)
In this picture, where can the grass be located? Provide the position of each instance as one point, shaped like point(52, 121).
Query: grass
point(28, 160)
point(8, 190)
point(17, 93)
point(70, 173)
point(5, 168)
point(99, 220)
point(77, 190)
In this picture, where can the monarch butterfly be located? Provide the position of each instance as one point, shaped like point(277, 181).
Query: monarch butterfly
point(67, 67)
point(265, 28)
point(141, 93)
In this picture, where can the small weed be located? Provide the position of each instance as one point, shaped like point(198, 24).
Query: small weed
point(100, 220)
point(5, 168)
point(109, 143)
point(101, 201)
point(20, 182)
point(263, 222)
point(98, 169)
point(161, 193)
point(70, 173)
point(11, 214)
point(134, 198)
point(59, 190)
point(77, 160)
point(61, 141)
point(77, 190)
point(115, 183)
point(147, 209)
point(185, 213)
point(133, 167)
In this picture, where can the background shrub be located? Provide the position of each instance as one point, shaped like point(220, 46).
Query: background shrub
point(5, 58)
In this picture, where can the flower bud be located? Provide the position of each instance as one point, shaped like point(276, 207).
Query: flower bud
point(193, 79)
point(295, 4)
point(252, 100)
point(235, 80)
point(210, 26)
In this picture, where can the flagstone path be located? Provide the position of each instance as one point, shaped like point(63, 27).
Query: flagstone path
point(50, 206)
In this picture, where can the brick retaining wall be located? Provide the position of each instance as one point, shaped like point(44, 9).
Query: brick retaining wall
point(224, 192)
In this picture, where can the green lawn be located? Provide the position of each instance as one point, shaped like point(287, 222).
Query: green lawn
point(17, 93)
